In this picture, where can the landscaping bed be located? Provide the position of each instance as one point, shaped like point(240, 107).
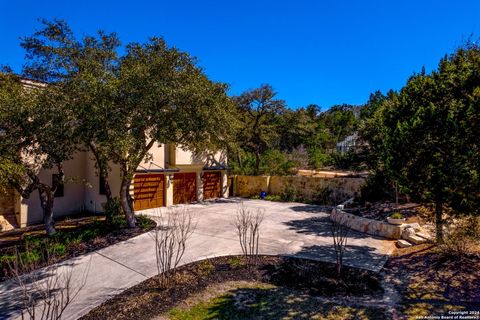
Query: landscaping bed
point(299, 277)
point(76, 235)
point(431, 283)
point(383, 209)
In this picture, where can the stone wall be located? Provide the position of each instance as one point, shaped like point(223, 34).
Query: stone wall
point(307, 187)
point(373, 227)
point(247, 186)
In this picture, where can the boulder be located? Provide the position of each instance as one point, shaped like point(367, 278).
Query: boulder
point(407, 232)
point(415, 226)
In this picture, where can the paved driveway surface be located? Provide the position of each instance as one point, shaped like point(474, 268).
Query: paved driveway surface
point(288, 229)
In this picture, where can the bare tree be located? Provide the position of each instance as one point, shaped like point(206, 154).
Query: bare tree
point(339, 232)
point(248, 224)
point(174, 227)
point(45, 293)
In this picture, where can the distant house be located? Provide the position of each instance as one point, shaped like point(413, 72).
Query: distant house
point(349, 143)
point(172, 175)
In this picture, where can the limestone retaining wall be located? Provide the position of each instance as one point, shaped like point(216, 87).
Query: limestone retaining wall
point(247, 186)
point(373, 227)
point(307, 187)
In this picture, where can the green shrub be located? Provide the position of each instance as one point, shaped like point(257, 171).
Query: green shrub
point(30, 256)
point(322, 196)
point(113, 212)
point(318, 159)
point(33, 242)
point(143, 222)
point(275, 163)
point(289, 193)
point(273, 197)
point(56, 249)
point(397, 215)
point(235, 262)
point(5, 259)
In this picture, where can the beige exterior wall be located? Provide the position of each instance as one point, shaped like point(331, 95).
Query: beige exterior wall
point(186, 157)
point(93, 199)
point(156, 159)
point(74, 192)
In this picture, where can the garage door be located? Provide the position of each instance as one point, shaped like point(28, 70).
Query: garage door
point(211, 185)
point(148, 191)
point(184, 187)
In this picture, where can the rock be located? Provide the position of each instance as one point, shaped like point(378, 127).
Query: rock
point(424, 235)
point(5, 224)
point(403, 243)
point(415, 226)
point(407, 232)
point(413, 238)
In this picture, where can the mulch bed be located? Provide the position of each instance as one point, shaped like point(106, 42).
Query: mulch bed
point(383, 209)
point(106, 235)
point(147, 300)
point(430, 281)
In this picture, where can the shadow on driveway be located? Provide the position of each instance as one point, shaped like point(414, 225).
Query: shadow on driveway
point(363, 257)
point(321, 226)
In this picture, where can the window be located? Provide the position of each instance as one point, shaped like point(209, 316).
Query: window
point(101, 183)
point(60, 192)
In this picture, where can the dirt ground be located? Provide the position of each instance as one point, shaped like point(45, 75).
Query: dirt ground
point(430, 283)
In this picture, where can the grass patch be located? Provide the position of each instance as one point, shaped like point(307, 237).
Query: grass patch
point(244, 300)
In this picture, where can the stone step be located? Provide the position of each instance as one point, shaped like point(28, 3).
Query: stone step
point(413, 238)
point(424, 235)
point(403, 243)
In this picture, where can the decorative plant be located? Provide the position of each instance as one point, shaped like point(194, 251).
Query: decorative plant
point(397, 215)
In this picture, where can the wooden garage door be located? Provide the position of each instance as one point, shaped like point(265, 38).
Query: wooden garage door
point(184, 187)
point(211, 185)
point(148, 190)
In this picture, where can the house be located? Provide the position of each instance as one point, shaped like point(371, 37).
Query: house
point(350, 142)
point(172, 175)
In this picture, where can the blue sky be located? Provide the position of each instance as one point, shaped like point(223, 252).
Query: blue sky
point(322, 52)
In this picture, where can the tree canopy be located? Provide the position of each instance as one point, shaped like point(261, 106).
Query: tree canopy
point(426, 137)
point(121, 104)
point(37, 132)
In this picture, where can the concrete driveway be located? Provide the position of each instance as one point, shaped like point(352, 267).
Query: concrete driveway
point(293, 229)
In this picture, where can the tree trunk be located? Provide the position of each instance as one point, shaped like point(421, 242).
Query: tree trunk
point(102, 172)
point(126, 207)
point(46, 202)
point(108, 191)
point(439, 221)
point(239, 160)
point(257, 162)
